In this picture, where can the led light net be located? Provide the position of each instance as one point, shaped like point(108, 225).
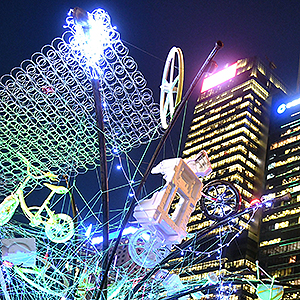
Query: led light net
point(69, 270)
point(47, 107)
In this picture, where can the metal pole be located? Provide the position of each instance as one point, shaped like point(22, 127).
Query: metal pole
point(75, 220)
point(73, 205)
point(104, 183)
point(178, 111)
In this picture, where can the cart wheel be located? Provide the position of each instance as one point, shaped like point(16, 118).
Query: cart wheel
point(220, 199)
point(59, 229)
point(147, 248)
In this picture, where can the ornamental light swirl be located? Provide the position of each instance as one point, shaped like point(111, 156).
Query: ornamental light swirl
point(47, 107)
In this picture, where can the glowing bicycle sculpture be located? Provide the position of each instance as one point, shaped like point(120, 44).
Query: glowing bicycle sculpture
point(59, 228)
point(165, 215)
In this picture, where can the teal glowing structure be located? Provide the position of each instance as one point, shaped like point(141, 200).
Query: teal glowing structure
point(59, 228)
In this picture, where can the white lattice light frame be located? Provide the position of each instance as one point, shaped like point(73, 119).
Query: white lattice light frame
point(47, 107)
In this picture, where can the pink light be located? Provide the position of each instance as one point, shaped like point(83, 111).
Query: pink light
point(8, 264)
point(255, 202)
point(219, 77)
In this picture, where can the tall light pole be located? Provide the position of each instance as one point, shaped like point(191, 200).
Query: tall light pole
point(81, 18)
point(104, 180)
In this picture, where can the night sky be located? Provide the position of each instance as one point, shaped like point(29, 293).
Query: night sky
point(247, 28)
point(267, 29)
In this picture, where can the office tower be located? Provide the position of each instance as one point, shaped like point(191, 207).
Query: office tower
point(231, 122)
point(280, 240)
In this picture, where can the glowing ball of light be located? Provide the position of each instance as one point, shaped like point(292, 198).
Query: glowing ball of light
point(281, 108)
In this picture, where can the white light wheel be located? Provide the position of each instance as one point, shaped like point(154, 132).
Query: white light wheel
point(220, 200)
point(146, 248)
point(171, 85)
point(212, 278)
point(59, 229)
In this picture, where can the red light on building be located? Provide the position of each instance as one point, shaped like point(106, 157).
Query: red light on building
point(255, 202)
point(219, 77)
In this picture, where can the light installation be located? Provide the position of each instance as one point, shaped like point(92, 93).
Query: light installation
point(47, 106)
point(47, 112)
point(59, 228)
point(171, 85)
point(219, 77)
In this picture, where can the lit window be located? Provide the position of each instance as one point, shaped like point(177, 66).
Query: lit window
point(271, 166)
point(282, 225)
point(270, 242)
point(285, 142)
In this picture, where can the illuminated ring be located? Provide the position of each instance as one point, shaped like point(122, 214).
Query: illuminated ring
point(220, 200)
point(59, 229)
point(146, 248)
point(171, 85)
point(281, 108)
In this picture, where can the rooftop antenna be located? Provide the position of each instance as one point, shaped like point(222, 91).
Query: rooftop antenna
point(272, 65)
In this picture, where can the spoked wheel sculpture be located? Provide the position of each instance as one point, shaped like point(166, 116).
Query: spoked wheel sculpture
point(147, 249)
point(171, 85)
point(220, 199)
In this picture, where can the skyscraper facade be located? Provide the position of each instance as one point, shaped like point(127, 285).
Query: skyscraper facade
point(231, 123)
point(279, 240)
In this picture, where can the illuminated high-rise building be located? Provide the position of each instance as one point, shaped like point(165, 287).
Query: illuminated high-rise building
point(280, 239)
point(231, 123)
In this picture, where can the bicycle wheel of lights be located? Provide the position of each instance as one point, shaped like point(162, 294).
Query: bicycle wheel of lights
point(222, 200)
point(146, 248)
point(60, 229)
point(47, 279)
point(7, 209)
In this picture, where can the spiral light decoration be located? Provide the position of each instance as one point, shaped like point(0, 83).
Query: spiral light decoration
point(47, 106)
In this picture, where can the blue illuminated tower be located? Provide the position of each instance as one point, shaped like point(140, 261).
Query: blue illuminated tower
point(279, 240)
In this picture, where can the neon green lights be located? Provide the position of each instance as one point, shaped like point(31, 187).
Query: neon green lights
point(59, 228)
